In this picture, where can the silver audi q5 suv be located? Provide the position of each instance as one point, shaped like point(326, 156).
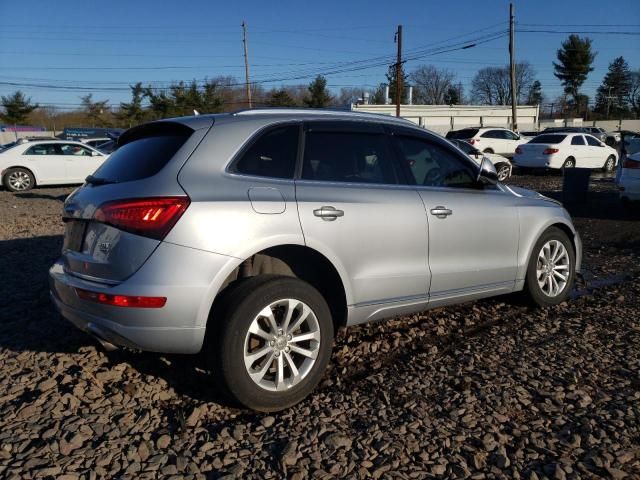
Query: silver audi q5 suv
point(255, 235)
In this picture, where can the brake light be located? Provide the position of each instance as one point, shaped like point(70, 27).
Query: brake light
point(150, 217)
point(550, 151)
point(473, 141)
point(131, 301)
point(518, 150)
point(632, 164)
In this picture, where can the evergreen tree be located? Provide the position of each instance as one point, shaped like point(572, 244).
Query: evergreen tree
point(613, 94)
point(281, 98)
point(319, 96)
point(574, 65)
point(393, 82)
point(534, 97)
point(16, 108)
point(94, 110)
point(132, 113)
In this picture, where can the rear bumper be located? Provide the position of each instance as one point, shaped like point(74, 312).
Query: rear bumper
point(629, 187)
point(189, 279)
point(547, 161)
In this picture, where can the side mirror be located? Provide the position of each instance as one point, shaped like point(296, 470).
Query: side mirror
point(487, 173)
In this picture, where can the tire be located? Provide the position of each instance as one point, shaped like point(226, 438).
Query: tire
point(536, 272)
point(610, 164)
point(241, 331)
point(488, 150)
point(569, 163)
point(503, 171)
point(18, 180)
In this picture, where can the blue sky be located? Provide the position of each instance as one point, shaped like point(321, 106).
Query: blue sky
point(104, 46)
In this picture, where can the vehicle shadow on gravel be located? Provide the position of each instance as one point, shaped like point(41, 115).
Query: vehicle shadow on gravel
point(42, 196)
point(29, 322)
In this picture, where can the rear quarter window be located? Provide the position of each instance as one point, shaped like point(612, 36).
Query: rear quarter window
point(143, 157)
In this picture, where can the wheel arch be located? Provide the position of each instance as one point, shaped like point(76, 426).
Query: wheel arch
point(299, 261)
point(30, 170)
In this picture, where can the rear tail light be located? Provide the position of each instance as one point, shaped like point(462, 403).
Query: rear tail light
point(550, 151)
point(131, 301)
point(149, 217)
point(473, 141)
point(518, 150)
point(633, 164)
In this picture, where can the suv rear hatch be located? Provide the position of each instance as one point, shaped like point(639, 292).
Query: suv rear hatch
point(115, 221)
point(464, 134)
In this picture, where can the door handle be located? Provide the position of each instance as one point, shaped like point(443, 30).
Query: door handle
point(328, 213)
point(441, 212)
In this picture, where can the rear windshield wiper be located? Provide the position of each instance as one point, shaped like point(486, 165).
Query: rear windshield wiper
point(98, 181)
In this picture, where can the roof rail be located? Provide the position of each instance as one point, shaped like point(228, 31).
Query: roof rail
point(318, 111)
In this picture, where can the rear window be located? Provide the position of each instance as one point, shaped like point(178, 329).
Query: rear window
point(552, 139)
point(141, 158)
point(466, 133)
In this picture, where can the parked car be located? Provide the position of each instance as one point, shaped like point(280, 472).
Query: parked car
point(597, 132)
point(489, 139)
point(629, 181)
point(500, 163)
point(52, 162)
point(566, 150)
point(108, 147)
point(95, 142)
point(255, 235)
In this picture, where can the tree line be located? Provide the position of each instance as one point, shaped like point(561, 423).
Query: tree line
point(618, 95)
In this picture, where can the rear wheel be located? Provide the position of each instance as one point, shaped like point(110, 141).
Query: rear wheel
point(569, 163)
point(610, 164)
point(488, 150)
point(551, 269)
point(18, 180)
point(274, 342)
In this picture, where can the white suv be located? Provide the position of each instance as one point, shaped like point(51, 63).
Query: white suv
point(490, 139)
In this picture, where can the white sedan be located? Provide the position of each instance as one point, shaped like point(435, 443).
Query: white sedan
point(629, 182)
point(47, 163)
point(502, 164)
point(566, 150)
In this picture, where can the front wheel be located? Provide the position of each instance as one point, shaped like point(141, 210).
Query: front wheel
point(551, 269)
point(503, 171)
point(18, 180)
point(610, 164)
point(274, 342)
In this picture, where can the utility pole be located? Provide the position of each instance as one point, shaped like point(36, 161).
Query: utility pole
point(609, 97)
point(246, 62)
point(399, 70)
point(512, 63)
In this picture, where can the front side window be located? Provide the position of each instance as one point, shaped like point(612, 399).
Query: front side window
point(577, 140)
point(272, 155)
point(510, 135)
point(73, 149)
point(343, 156)
point(42, 149)
point(433, 165)
point(592, 141)
point(492, 134)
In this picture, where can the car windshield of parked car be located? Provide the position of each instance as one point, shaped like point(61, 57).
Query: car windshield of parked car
point(465, 147)
point(462, 134)
point(551, 139)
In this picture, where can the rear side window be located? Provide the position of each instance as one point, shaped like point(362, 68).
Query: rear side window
point(272, 155)
point(494, 134)
point(42, 149)
point(553, 139)
point(463, 134)
point(355, 157)
point(577, 140)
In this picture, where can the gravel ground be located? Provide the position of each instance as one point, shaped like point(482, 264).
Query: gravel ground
point(489, 389)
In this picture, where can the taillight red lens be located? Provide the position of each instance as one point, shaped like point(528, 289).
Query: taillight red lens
point(633, 164)
point(518, 150)
point(150, 217)
point(550, 151)
point(473, 141)
point(131, 301)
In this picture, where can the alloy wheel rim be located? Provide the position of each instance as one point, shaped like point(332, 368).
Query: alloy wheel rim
point(282, 344)
point(503, 173)
point(19, 180)
point(552, 268)
point(569, 164)
point(609, 166)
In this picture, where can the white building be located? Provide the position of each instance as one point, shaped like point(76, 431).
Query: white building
point(442, 118)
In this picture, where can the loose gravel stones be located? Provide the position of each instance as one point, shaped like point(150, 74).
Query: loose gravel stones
point(484, 390)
